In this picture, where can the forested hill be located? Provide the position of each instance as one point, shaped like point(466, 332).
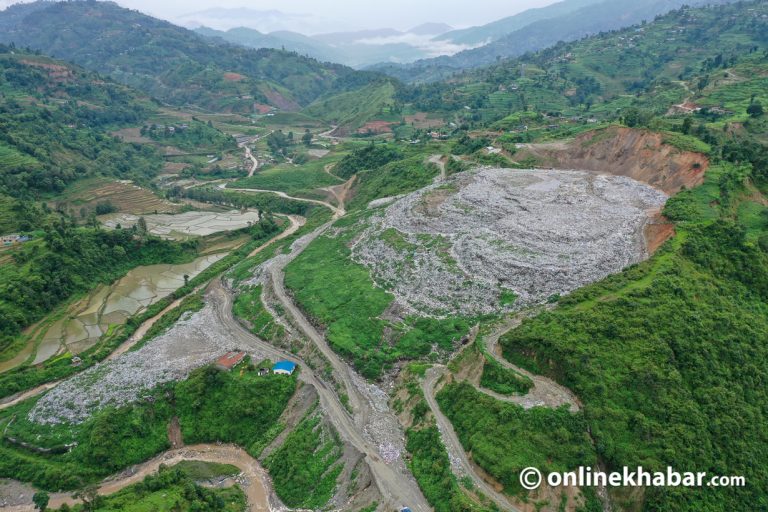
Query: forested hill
point(542, 33)
point(169, 62)
point(53, 123)
point(691, 53)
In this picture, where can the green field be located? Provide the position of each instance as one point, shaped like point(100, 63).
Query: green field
point(300, 181)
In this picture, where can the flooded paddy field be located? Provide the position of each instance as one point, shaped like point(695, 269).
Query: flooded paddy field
point(188, 224)
point(112, 305)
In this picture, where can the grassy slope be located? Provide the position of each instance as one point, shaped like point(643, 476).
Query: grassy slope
point(668, 354)
point(340, 294)
point(300, 181)
point(304, 469)
point(352, 110)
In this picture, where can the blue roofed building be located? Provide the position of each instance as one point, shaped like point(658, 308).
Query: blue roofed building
point(284, 368)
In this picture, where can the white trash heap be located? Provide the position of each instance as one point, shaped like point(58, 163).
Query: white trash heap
point(191, 343)
point(469, 241)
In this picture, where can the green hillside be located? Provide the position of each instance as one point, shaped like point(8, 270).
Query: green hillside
point(711, 55)
point(54, 123)
point(351, 110)
point(505, 26)
point(170, 62)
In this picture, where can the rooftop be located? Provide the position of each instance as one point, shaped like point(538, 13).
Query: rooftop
point(230, 360)
point(286, 366)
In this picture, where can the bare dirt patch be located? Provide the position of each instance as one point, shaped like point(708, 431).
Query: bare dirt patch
point(637, 154)
point(233, 77)
point(376, 127)
point(174, 433)
point(422, 120)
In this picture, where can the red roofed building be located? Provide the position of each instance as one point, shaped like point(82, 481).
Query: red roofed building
point(229, 360)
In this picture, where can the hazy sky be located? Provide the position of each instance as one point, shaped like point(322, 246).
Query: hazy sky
point(332, 15)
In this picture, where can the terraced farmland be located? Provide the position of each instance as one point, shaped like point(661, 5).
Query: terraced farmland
point(11, 159)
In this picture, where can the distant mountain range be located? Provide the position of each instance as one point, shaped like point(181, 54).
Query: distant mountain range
point(534, 30)
point(172, 63)
point(496, 30)
point(357, 49)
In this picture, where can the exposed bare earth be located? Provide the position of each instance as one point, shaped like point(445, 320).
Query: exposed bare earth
point(637, 154)
point(461, 245)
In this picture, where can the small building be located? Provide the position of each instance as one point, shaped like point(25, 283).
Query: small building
point(284, 368)
point(229, 360)
point(263, 372)
point(14, 239)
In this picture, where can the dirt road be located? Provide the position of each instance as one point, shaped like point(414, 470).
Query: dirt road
point(39, 390)
point(337, 211)
point(254, 162)
point(256, 481)
point(451, 440)
point(438, 161)
point(370, 416)
point(296, 222)
point(545, 392)
point(396, 486)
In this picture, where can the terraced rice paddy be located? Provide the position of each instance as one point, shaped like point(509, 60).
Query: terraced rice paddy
point(188, 224)
point(124, 196)
point(113, 305)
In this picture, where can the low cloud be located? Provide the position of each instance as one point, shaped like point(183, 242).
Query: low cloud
point(424, 43)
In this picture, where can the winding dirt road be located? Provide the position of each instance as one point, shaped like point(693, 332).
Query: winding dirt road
point(452, 442)
point(338, 212)
point(296, 222)
point(544, 393)
point(254, 162)
point(395, 486)
point(255, 479)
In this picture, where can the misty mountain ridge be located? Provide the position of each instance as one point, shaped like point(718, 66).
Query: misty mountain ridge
point(169, 62)
point(357, 48)
point(545, 31)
